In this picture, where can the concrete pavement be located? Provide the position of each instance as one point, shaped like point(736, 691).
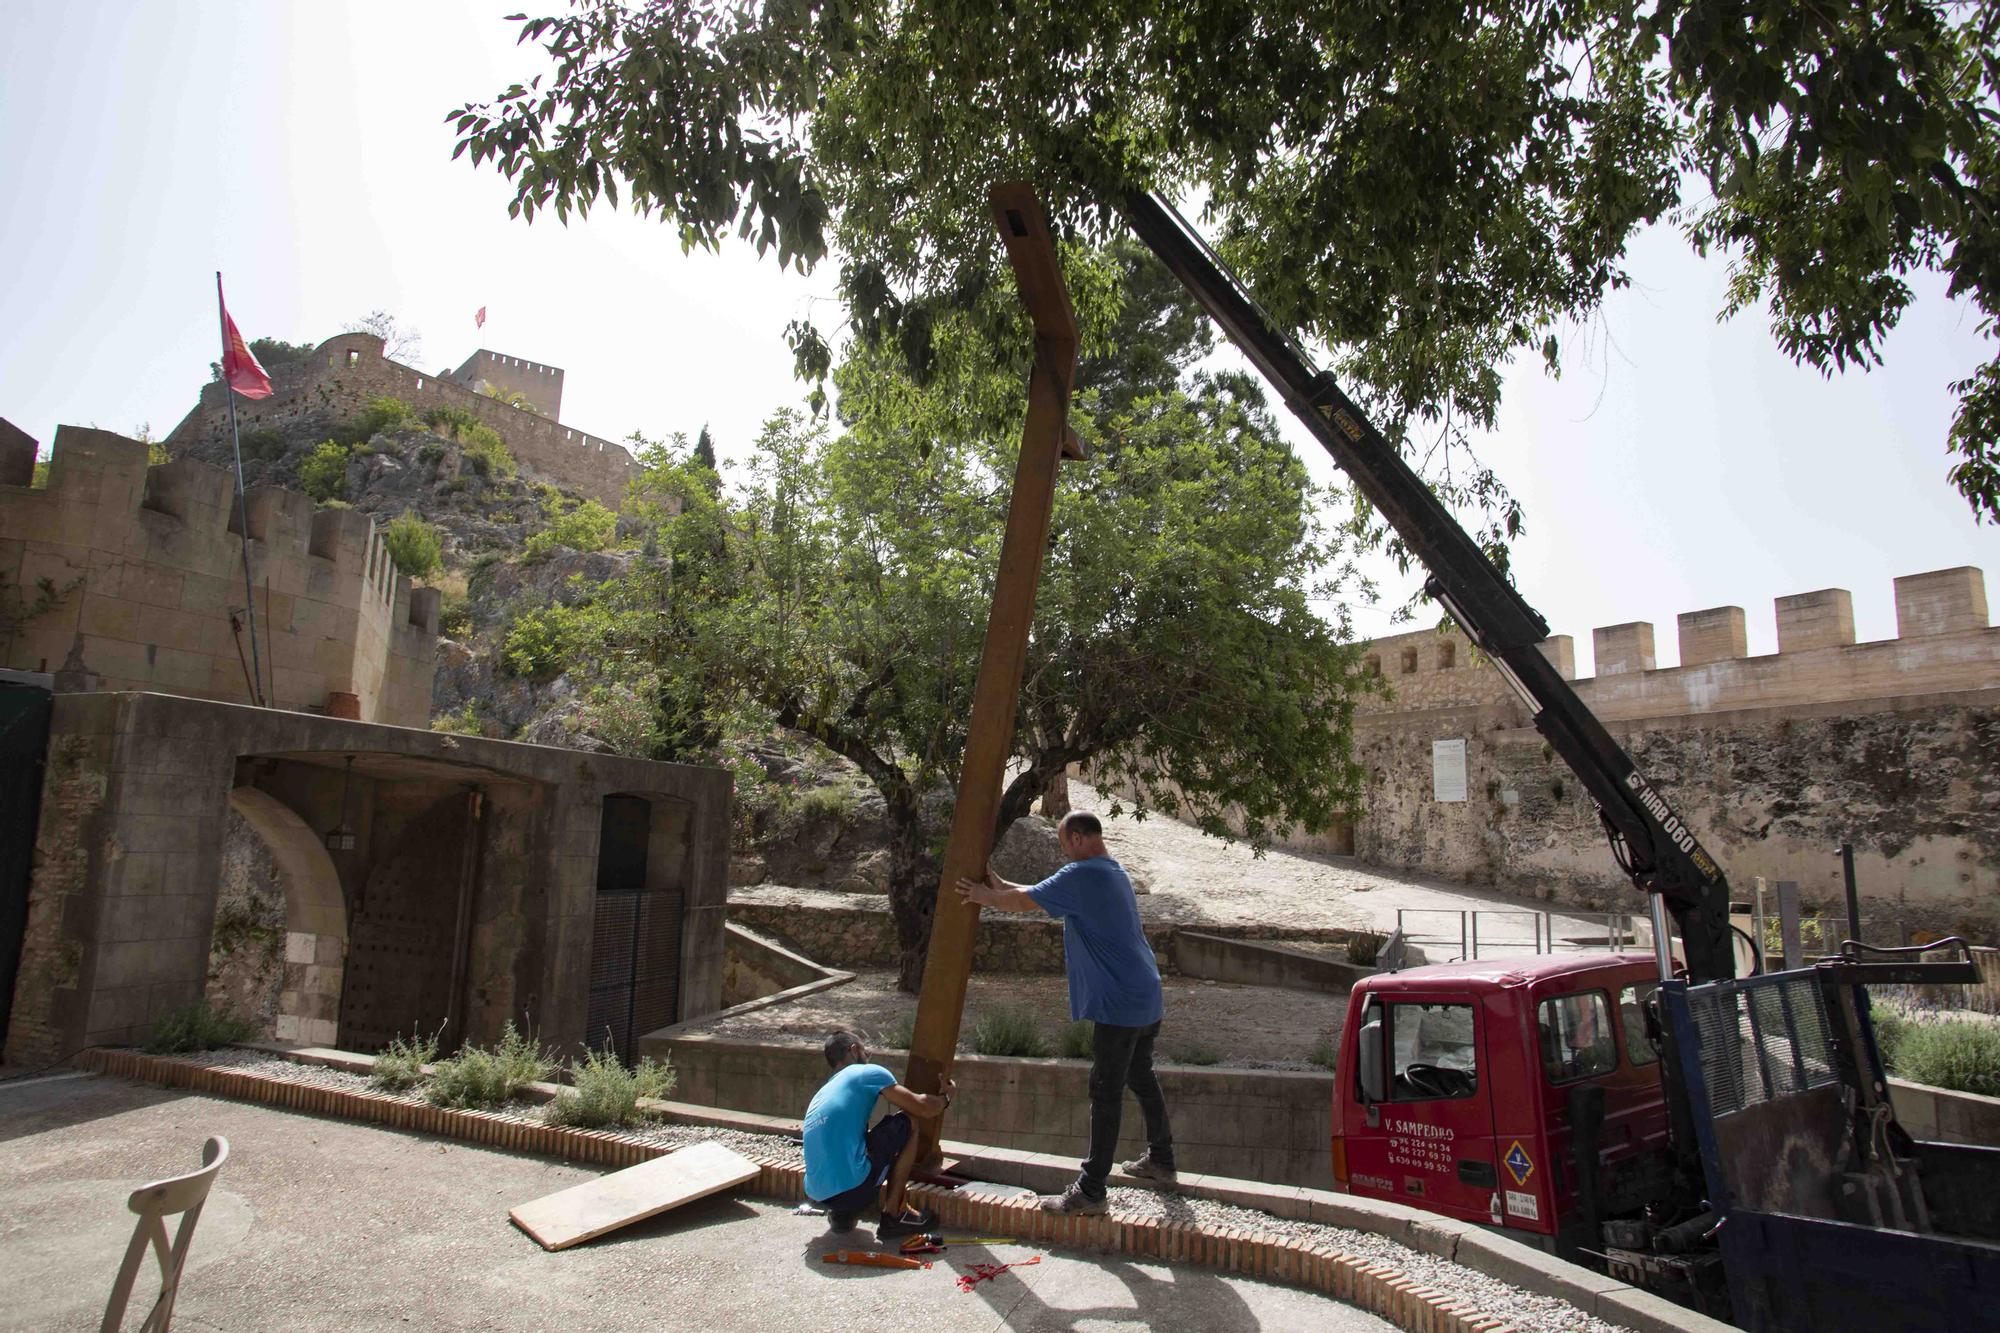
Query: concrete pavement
point(324, 1224)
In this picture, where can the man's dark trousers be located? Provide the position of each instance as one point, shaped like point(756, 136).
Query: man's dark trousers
point(1122, 1058)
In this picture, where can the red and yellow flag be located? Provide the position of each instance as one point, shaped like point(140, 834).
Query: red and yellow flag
point(240, 370)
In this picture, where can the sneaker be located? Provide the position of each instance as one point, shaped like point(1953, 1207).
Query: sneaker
point(840, 1222)
point(1145, 1168)
point(1073, 1202)
point(909, 1224)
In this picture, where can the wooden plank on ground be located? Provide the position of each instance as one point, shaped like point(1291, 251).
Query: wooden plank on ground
point(584, 1212)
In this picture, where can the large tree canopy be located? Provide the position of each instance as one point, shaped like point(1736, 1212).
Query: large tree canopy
point(842, 593)
point(1425, 188)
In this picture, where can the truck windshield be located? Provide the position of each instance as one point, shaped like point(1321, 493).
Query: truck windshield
point(1431, 1052)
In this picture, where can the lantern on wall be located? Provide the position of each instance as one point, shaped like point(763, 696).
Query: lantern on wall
point(340, 838)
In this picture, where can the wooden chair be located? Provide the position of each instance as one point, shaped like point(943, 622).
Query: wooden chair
point(155, 1203)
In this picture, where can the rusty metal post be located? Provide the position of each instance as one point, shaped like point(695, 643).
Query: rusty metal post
point(1045, 440)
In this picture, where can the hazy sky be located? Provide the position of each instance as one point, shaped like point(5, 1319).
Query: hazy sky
point(301, 148)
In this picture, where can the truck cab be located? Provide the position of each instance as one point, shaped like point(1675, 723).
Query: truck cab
point(1462, 1087)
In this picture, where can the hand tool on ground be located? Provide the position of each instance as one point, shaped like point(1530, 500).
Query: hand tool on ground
point(871, 1259)
point(987, 1272)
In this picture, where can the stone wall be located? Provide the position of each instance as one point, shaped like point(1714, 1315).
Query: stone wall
point(539, 384)
point(1268, 1125)
point(146, 567)
point(345, 372)
point(754, 967)
point(1774, 760)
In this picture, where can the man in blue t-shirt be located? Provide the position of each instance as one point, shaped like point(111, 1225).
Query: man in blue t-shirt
point(1114, 983)
point(846, 1161)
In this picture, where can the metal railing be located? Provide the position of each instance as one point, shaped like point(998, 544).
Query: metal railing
point(1620, 930)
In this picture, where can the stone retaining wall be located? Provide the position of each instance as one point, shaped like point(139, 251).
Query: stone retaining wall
point(1938, 1115)
point(1268, 1125)
point(1258, 963)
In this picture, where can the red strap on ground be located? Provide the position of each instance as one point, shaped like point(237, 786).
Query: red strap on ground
point(986, 1272)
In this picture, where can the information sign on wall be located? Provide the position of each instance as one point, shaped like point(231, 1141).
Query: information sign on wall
point(1448, 770)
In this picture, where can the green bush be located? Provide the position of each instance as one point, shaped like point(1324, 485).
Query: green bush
point(323, 472)
point(585, 527)
point(1363, 950)
point(1891, 1026)
point(449, 420)
point(1194, 1053)
point(455, 616)
point(264, 442)
point(384, 413)
point(465, 722)
point(196, 1027)
point(1074, 1040)
point(1007, 1029)
point(416, 546)
point(400, 1066)
point(480, 1078)
point(1958, 1054)
point(486, 452)
point(897, 1035)
point(1324, 1053)
point(430, 453)
point(603, 1093)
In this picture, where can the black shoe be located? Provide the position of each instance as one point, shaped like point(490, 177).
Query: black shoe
point(909, 1224)
point(1146, 1168)
point(841, 1222)
point(1073, 1202)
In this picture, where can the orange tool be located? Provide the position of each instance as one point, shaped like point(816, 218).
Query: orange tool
point(872, 1259)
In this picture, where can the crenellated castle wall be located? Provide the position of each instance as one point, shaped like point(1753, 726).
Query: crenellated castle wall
point(1774, 760)
point(146, 565)
point(346, 371)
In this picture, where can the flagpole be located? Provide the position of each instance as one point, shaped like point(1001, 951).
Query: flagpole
point(242, 512)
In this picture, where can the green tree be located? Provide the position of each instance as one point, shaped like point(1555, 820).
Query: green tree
point(270, 353)
point(416, 546)
point(1426, 189)
point(588, 526)
point(323, 472)
point(843, 596)
point(704, 449)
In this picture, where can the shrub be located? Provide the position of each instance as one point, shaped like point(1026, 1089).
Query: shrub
point(1363, 950)
point(430, 453)
point(195, 1027)
point(477, 1077)
point(1891, 1026)
point(415, 546)
point(465, 722)
point(604, 1093)
point(897, 1035)
point(450, 420)
point(455, 616)
point(1074, 1040)
point(585, 527)
point(384, 413)
point(1007, 1029)
point(482, 447)
point(264, 442)
point(1194, 1053)
point(323, 472)
point(400, 1066)
point(1324, 1053)
point(1958, 1054)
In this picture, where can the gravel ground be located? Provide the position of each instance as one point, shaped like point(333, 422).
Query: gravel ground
point(1524, 1310)
point(1254, 1027)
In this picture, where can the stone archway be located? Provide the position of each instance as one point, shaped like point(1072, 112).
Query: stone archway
point(282, 970)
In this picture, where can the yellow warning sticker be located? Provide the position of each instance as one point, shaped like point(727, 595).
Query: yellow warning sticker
point(1519, 1164)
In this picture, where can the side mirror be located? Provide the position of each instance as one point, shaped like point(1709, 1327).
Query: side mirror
point(1374, 1088)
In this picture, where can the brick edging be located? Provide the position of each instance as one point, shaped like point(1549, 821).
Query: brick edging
point(1378, 1288)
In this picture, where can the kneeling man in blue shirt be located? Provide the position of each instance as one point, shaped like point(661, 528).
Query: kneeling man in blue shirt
point(1114, 983)
point(846, 1161)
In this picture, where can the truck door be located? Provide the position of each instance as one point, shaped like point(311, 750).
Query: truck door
point(1423, 1129)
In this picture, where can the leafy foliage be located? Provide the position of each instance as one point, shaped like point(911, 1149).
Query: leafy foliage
point(400, 1065)
point(416, 547)
point(270, 353)
point(604, 1094)
point(1426, 189)
point(1961, 1054)
point(1074, 1040)
point(486, 453)
point(1007, 1029)
point(1363, 949)
point(479, 1077)
point(511, 397)
point(588, 526)
point(196, 1027)
point(264, 442)
point(383, 413)
point(899, 1033)
point(323, 472)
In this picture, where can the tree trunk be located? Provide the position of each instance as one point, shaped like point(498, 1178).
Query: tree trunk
point(1055, 797)
point(913, 890)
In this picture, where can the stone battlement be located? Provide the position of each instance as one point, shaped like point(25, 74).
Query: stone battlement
point(345, 372)
point(145, 564)
point(1943, 645)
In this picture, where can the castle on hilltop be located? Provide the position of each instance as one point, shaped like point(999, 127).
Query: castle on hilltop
point(343, 373)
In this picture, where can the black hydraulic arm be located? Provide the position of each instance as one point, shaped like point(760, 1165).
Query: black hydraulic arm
point(1652, 843)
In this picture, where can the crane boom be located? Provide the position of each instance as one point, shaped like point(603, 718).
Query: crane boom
point(1652, 844)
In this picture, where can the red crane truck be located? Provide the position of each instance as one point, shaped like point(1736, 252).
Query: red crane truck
point(1726, 1141)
